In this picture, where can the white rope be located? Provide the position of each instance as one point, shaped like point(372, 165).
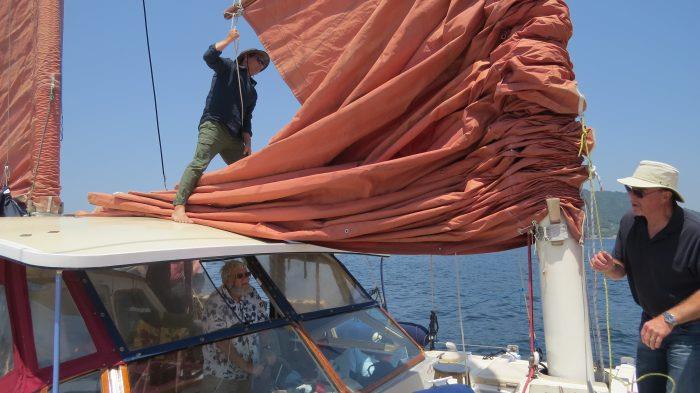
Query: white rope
point(596, 313)
point(234, 25)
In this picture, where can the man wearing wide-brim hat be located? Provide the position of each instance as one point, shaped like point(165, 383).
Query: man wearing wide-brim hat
point(658, 249)
point(225, 127)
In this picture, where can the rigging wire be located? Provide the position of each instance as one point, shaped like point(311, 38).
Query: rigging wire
point(381, 275)
point(8, 138)
point(459, 299)
point(155, 99)
point(596, 214)
point(35, 171)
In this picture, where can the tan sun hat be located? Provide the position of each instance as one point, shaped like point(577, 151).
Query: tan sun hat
point(260, 53)
point(652, 174)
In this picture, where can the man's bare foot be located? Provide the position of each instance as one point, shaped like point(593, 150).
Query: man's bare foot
point(179, 215)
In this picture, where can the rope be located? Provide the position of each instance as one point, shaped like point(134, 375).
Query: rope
point(155, 99)
point(8, 136)
point(459, 300)
point(433, 325)
point(234, 25)
point(594, 204)
point(596, 213)
point(381, 275)
point(530, 314)
point(432, 284)
point(35, 171)
point(596, 313)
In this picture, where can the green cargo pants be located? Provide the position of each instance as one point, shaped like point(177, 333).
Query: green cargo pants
point(214, 139)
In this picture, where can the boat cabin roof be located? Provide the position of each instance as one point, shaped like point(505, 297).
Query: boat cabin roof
point(67, 242)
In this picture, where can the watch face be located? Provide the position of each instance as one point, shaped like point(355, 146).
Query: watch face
point(669, 318)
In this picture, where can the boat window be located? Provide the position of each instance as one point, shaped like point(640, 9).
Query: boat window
point(6, 354)
point(274, 360)
point(313, 281)
point(163, 302)
point(89, 383)
point(75, 341)
point(363, 346)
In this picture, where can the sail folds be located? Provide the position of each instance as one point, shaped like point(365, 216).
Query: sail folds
point(426, 126)
point(30, 101)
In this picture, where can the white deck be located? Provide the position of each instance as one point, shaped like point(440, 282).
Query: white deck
point(93, 242)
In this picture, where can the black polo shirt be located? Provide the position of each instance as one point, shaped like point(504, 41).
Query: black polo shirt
point(664, 270)
point(223, 103)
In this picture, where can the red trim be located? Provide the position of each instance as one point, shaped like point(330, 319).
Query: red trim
point(104, 344)
point(25, 376)
point(20, 379)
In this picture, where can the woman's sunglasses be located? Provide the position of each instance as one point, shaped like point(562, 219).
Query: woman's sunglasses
point(241, 275)
point(638, 192)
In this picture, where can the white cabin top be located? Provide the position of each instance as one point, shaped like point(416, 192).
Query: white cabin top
point(94, 242)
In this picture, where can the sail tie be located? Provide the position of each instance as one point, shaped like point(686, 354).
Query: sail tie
point(155, 99)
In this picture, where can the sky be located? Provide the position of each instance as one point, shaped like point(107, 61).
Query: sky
point(635, 62)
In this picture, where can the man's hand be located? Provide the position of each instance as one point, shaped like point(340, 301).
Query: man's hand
point(233, 34)
point(247, 149)
point(255, 369)
point(603, 262)
point(654, 331)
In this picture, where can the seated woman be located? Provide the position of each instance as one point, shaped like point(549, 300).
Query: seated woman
point(229, 364)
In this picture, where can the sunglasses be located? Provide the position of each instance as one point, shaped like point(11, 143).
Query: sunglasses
point(241, 275)
point(638, 192)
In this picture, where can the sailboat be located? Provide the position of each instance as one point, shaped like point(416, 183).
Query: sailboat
point(430, 127)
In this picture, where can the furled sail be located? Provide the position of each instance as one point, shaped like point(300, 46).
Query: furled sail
point(426, 126)
point(30, 101)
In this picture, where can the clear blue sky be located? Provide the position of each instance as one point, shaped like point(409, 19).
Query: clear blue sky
point(636, 62)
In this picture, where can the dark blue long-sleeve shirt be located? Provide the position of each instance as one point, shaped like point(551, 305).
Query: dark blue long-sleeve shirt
point(223, 102)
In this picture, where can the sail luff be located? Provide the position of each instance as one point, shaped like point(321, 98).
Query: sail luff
point(31, 47)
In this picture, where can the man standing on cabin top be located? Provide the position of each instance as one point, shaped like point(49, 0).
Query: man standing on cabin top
point(225, 126)
point(658, 249)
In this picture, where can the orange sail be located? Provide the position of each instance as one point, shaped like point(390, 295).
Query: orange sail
point(30, 101)
point(426, 126)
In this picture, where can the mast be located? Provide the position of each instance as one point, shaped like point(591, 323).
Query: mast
point(564, 299)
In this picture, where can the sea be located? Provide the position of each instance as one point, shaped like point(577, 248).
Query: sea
point(489, 291)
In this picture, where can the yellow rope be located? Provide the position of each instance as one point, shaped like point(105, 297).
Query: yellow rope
point(594, 203)
point(599, 233)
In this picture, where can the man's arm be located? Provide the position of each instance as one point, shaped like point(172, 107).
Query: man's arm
point(688, 310)
point(656, 329)
point(608, 265)
point(213, 54)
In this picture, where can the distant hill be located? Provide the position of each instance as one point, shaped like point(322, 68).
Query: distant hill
point(612, 205)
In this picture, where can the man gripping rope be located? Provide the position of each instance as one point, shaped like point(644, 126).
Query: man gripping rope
point(225, 125)
point(658, 249)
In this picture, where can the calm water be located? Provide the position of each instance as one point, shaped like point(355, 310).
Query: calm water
point(492, 298)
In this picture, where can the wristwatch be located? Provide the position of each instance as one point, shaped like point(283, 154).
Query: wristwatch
point(670, 319)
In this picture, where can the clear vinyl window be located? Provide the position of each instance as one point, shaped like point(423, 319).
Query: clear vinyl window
point(163, 302)
point(313, 281)
point(274, 360)
point(75, 339)
point(363, 346)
